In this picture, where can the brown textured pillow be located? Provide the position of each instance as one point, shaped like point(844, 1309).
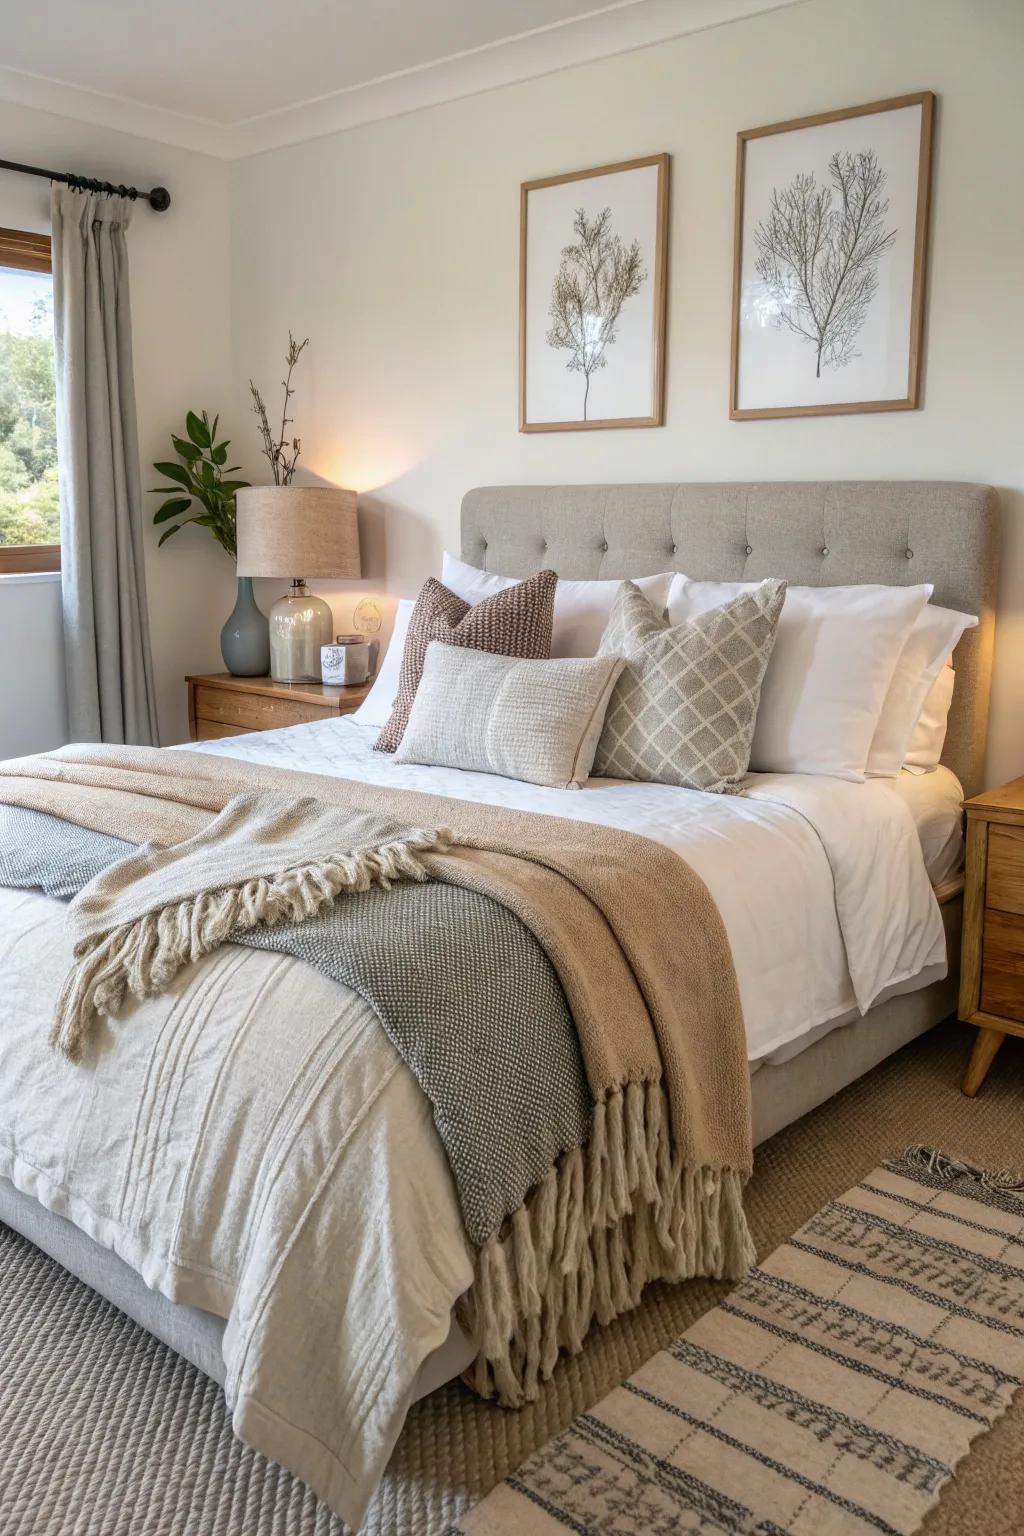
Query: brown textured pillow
point(516, 622)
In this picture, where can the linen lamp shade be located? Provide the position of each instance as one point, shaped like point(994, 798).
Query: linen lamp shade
point(297, 530)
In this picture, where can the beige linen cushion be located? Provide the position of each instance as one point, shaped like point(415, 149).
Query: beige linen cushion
point(516, 622)
point(684, 708)
point(538, 721)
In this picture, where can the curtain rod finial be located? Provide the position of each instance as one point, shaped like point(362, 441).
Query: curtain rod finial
point(159, 199)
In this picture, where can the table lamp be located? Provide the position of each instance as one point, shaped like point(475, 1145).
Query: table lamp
point(287, 528)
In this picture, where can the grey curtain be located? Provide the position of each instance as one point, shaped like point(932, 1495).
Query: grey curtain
point(106, 627)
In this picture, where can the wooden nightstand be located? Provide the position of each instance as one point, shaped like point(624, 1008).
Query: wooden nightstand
point(222, 705)
point(992, 961)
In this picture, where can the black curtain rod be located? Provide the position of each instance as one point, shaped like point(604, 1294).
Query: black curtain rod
point(159, 199)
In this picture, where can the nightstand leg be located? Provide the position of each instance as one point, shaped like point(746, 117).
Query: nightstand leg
point(984, 1054)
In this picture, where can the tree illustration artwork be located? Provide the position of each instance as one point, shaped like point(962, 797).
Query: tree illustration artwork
point(595, 277)
point(819, 250)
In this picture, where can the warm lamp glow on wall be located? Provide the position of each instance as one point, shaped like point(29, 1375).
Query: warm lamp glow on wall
point(287, 529)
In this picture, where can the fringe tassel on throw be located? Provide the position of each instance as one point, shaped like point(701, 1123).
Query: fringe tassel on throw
point(143, 957)
point(608, 1219)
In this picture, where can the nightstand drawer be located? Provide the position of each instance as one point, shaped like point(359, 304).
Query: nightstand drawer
point(212, 730)
point(1002, 965)
point(1004, 886)
point(251, 711)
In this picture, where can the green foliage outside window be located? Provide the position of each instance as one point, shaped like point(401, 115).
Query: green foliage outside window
point(29, 511)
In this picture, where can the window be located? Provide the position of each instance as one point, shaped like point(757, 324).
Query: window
point(29, 513)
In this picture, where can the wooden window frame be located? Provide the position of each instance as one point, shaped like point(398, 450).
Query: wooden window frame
point(29, 253)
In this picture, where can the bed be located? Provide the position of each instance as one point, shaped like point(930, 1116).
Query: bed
point(814, 534)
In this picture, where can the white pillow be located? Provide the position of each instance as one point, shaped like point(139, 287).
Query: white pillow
point(925, 751)
point(835, 653)
point(935, 633)
point(377, 706)
point(582, 608)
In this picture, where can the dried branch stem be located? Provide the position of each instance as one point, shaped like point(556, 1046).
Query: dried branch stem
point(282, 466)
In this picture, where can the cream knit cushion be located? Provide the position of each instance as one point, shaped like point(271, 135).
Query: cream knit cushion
point(516, 622)
point(538, 721)
point(684, 708)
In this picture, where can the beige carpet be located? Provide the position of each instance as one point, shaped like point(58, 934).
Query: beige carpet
point(115, 1453)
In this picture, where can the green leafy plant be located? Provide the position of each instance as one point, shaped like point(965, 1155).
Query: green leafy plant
point(199, 477)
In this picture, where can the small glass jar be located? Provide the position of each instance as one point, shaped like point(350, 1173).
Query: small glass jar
point(346, 663)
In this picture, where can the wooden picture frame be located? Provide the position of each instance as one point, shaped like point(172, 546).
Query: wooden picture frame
point(913, 258)
point(655, 259)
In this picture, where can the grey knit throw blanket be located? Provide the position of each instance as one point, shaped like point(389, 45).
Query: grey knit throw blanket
point(462, 988)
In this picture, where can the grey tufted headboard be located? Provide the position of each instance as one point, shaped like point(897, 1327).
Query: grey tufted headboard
point(815, 533)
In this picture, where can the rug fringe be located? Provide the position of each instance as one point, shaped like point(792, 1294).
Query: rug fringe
point(944, 1166)
point(144, 956)
point(608, 1219)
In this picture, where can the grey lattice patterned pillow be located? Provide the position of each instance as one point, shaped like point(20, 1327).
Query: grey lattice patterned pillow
point(684, 708)
point(516, 622)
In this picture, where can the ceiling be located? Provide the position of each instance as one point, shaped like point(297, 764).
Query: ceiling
point(235, 76)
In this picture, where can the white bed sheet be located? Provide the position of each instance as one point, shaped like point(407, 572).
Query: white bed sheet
point(821, 883)
point(936, 802)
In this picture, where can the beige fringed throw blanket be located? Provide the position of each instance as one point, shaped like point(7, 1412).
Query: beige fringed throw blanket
point(630, 930)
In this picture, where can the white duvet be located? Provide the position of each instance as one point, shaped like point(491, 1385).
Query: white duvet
point(822, 884)
point(336, 1251)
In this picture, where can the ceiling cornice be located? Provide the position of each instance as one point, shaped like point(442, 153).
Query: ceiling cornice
point(131, 117)
point(592, 35)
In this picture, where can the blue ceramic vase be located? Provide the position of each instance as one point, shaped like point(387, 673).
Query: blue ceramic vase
point(245, 638)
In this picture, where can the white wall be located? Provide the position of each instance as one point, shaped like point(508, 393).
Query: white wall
point(395, 248)
point(179, 272)
point(33, 703)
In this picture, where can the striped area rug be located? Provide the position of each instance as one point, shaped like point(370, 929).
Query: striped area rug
point(834, 1391)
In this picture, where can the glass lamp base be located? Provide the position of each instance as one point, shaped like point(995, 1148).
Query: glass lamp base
point(299, 625)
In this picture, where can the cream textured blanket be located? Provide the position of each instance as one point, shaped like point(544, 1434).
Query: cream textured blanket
point(266, 858)
point(643, 959)
point(252, 1144)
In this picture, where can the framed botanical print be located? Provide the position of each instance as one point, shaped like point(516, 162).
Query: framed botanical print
point(592, 275)
point(829, 263)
